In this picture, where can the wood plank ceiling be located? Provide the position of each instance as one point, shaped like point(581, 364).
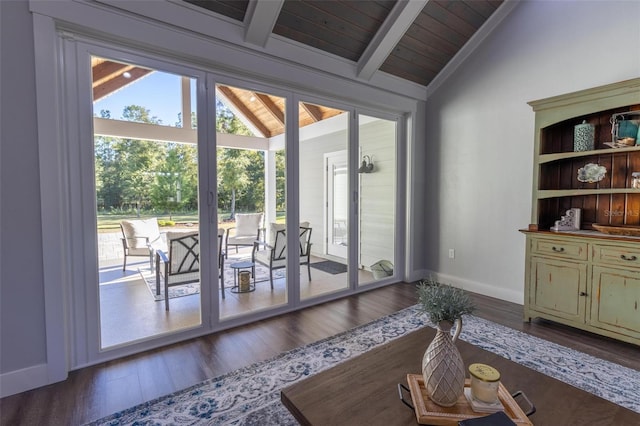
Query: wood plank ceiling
point(358, 30)
point(410, 39)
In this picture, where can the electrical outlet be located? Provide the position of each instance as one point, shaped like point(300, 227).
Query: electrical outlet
point(452, 254)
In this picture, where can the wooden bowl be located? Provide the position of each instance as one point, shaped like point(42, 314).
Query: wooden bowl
point(627, 230)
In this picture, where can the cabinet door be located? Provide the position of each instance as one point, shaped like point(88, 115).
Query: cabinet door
point(615, 302)
point(557, 288)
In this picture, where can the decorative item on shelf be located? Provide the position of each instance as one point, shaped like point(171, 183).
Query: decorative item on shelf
point(569, 222)
point(584, 136)
point(635, 180)
point(591, 173)
point(442, 366)
point(367, 165)
point(624, 130)
point(624, 230)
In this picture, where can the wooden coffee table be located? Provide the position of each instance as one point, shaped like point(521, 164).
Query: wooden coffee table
point(364, 390)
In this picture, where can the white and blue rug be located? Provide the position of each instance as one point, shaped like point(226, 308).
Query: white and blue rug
point(251, 395)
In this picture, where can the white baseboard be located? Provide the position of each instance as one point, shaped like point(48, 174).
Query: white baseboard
point(22, 380)
point(478, 287)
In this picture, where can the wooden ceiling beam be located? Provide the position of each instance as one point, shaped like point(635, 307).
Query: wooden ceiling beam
point(389, 34)
point(240, 106)
point(314, 112)
point(271, 107)
point(106, 87)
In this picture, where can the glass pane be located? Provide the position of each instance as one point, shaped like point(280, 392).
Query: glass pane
point(116, 85)
point(377, 201)
point(251, 201)
point(147, 206)
point(324, 198)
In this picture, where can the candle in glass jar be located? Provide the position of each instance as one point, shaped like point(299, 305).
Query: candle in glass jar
point(485, 381)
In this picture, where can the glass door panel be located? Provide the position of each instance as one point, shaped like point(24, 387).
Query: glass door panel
point(377, 199)
point(324, 199)
point(146, 180)
point(250, 128)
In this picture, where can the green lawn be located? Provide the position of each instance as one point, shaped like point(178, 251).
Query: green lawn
point(111, 222)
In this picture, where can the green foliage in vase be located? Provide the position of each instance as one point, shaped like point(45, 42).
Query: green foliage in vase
point(443, 302)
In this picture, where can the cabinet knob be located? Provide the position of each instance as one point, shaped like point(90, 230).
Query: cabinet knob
point(557, 250)
point(583, 293)
point(630, 258)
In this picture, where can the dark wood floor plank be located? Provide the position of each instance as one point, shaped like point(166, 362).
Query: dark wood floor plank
point(96, 391)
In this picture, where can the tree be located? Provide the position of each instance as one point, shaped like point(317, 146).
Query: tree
point(126, 165)
point(232, 164)
point(232, 174)
point(175, 185)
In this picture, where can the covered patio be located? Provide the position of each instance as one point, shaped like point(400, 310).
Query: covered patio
point(128, 309)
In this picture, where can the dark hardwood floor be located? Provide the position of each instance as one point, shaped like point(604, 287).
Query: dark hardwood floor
point(97, 391)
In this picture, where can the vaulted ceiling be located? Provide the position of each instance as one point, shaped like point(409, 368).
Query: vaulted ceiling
point(410, 39)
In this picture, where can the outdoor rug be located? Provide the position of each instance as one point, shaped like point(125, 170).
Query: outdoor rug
point(330, 267)
point(149, 277)
point(251, 395)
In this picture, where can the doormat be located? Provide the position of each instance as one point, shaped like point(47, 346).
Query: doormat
point(330, 267)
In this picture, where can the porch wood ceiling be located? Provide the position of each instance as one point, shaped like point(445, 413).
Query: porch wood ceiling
point(413, 40)
point(266, 113)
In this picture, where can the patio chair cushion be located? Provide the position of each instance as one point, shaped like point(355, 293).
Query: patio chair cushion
point(184, 259)
point(247, 223)
point(275, 227)
point(141, 232)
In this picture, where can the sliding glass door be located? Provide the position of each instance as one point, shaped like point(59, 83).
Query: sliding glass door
point(323, 198)
point(204, 201)
point(377, 199)
point(252, 205)
point(146, 186)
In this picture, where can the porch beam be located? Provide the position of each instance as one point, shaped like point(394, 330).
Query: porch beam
point(313, 111)
point(259, 20)
point(239, 105)
point(271, 107)
point(159, 133)
point(389, 34)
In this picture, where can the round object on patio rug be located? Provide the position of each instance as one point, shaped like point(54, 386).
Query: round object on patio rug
point(442, 366)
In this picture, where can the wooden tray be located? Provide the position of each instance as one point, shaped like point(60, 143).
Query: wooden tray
point(429, 413)
point(628, 230)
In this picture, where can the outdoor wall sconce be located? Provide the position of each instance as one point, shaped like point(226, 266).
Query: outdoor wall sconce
point(367, 166)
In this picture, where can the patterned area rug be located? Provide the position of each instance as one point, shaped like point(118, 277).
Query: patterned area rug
point(251, 395)
point(149, 277)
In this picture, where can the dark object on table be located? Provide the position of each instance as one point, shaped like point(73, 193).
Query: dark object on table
point(496, 419)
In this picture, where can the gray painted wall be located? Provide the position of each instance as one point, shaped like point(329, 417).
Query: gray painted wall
point(478, 140)
point(480, 131)
point(22, 337)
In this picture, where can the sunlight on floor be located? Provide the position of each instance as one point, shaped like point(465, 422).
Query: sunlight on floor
point(129, 312)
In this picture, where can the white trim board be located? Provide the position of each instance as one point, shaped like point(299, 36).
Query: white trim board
point(24, 379)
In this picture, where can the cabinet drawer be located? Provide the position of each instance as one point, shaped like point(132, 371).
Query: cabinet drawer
point(565, 249)
point(616, 255)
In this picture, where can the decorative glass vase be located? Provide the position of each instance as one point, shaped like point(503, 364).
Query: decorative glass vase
point(442, 366)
